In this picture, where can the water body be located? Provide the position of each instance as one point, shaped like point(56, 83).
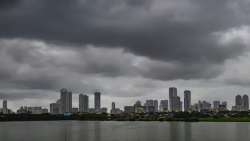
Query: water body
point(123, 131)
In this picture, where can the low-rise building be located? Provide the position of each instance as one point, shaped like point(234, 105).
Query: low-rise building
point(129, 109)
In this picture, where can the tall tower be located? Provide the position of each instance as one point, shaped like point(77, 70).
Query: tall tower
point(156, 106)
point(5, 108)
point(83, 103)
point(113, 110)
point(238, 100)
point(164, 105)
point(113, 105)
point(216, 105)
point(97, 101)
point(178, 104)
point(245, 102)
point(238, 103)
point(172, 98)
point(187, 100)
point(66, 101)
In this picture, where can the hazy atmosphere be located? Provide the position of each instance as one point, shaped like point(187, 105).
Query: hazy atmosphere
point(127, 49)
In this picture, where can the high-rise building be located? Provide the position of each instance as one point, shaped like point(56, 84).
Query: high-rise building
point(156, 106)
point(97, 101)
point(172, 98)
point(149, 106)
point(113, 105)
point(164, 105)
point(54, 108)
point(113, 109)
point(138, 107)
point(178, 104)
point(238, 103)
point(216, 105)
point(83, 103)
point(245, 103)
point(204, 106)
point(241, 103)
point(149, 102)
point(223, 106)
point(66, 101)
point(5, 107)
point(187, 100)
point(137, 103)
point(238, 100)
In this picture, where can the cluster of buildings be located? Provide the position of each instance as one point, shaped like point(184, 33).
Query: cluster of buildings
point(174, 104)
point(241, 103)
point(64, 104)
point(32, 110)
point(207, 106)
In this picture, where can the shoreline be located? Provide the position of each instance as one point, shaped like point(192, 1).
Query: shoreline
point(199, 120)
point(159, 117)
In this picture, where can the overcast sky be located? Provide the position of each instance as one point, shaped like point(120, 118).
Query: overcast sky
point(128, 49)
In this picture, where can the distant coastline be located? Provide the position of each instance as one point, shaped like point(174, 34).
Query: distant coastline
point(180, 116)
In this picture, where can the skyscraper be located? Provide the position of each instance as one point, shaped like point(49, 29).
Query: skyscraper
point(178, 104)
point(156, 106)
point(245, 102)
point(216, 105)
point(113, 110)
point(113, 105)
point(149, 106)
point(204, 106)
point(223, 106)
point(238, 103)
point(139, 108)
point(55, 108)
point(66, 101)
point(164, 105)
point(238, 100)
point(83, 103)
point(187, 100)
point(172, 98)
point(97, 101)
point(5, 107)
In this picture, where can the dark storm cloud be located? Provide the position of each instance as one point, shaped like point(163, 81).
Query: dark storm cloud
point(121, 47)
point(35, 64)
point(165, 30)
point(176, 37)
point(8, 3)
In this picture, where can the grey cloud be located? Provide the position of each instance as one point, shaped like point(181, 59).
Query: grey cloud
point(163, 30)
point(123, 47)
point(37, 65)
point(37, 70)
point(40, 65)
point(8, 3)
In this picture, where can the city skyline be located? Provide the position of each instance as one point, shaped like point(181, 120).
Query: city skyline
point(124, 70)
point(173, 104)
point(129, 49)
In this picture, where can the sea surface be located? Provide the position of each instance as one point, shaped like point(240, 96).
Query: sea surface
point(123, 131)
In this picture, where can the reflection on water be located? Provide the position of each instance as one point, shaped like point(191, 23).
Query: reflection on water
point(122, 131)
point(188, 131)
